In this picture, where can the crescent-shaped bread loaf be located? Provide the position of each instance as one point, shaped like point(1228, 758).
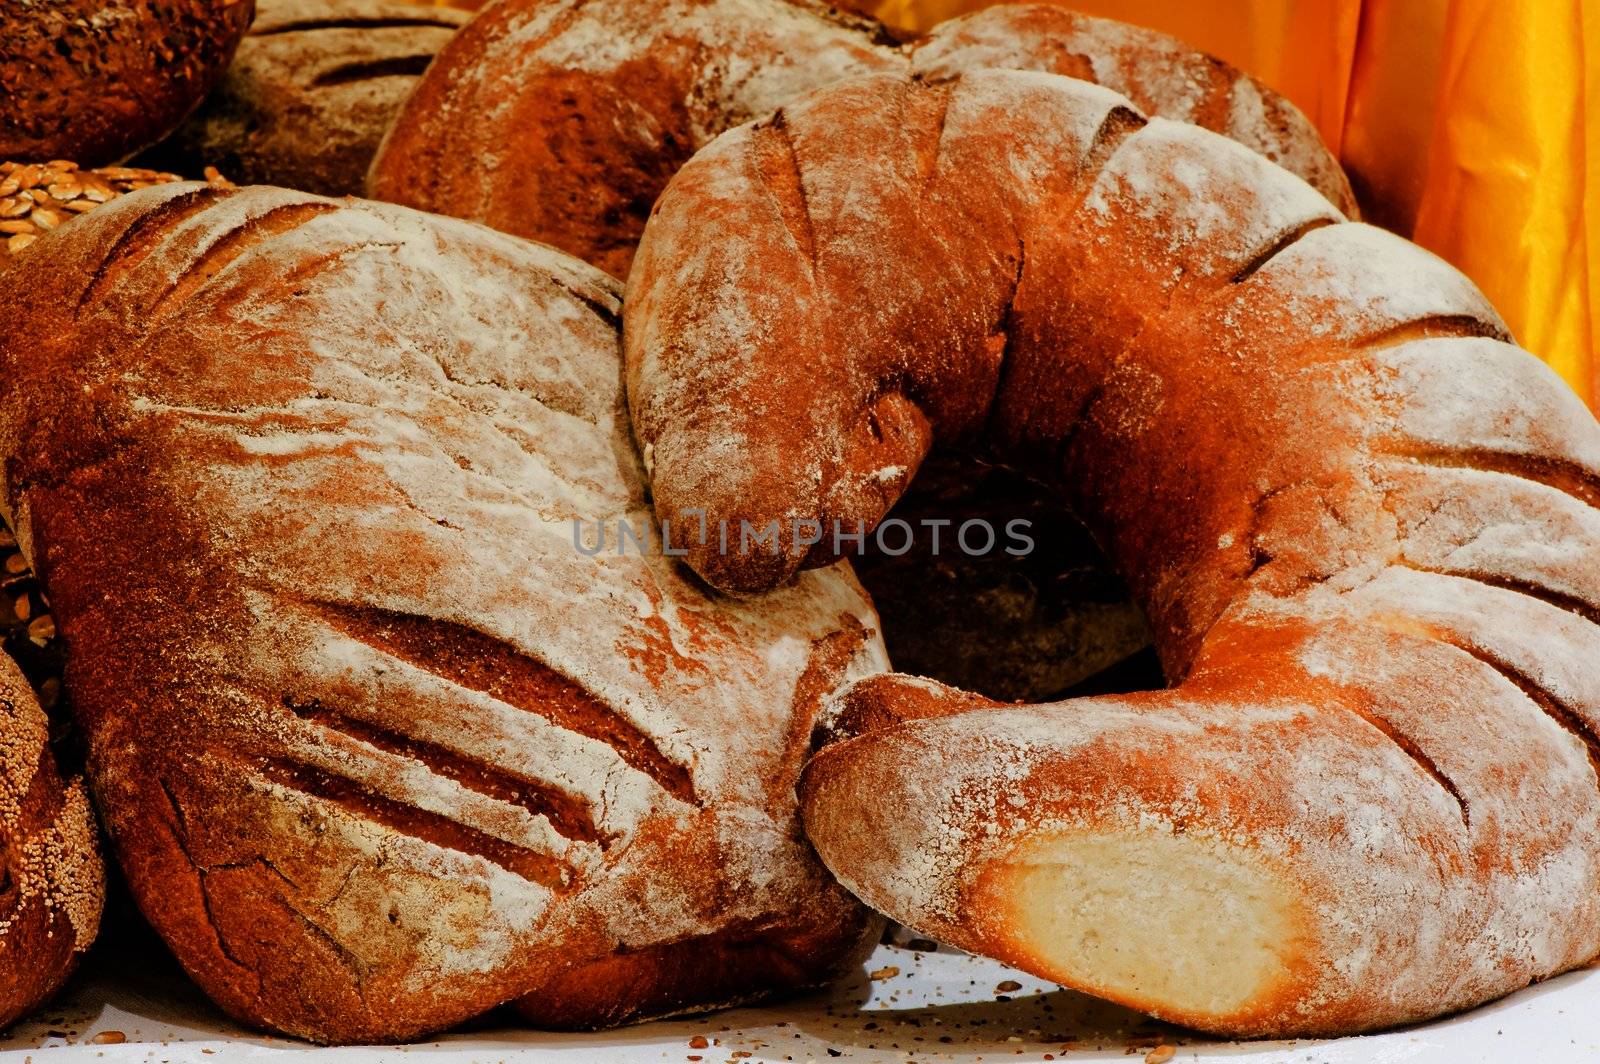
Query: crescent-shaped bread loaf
point(52, 881)
point(1364, 525)
point(575, 113)
point(379, 743)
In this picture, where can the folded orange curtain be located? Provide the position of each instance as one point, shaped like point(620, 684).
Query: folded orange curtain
point(1471, 126)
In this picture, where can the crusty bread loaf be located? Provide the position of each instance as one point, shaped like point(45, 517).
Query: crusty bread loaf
point(52, 882)
point(377, 745)
point(96, 80)
point(310, 93)
point(562, 120)
point(1364, 526)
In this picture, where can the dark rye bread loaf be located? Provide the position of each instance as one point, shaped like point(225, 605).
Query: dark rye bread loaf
point(96, 80)
point(562, 120)
point(376, 746)
point(1365, 527)
point(52, 882)
point(310, 93)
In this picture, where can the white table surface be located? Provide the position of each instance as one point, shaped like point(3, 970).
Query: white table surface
point(940, 1008)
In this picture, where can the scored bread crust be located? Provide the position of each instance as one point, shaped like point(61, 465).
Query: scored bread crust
point(577, 112)
point(377, 746)
point(1363, 524)
point(310, 93)
point(52, 881)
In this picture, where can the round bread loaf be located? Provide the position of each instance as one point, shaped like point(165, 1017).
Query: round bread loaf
point(96, 80)
point(310, 93)
point(562, 120)
point(378, 744)
point(1364, 526)
point(52, 883)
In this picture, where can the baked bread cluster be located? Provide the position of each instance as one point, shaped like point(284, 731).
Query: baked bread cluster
point(367, 546)
point(587, 108)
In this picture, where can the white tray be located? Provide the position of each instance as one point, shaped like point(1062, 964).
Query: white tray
point(940, 1008)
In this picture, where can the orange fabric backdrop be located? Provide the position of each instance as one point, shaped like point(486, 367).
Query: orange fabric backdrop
point(1472, 126)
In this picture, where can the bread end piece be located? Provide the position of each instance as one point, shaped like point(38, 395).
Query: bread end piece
point(1114, 913)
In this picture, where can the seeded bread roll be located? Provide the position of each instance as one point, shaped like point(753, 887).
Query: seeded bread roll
point(310, 93)
point(562, 120)
point(96, 80)
point(1364, 526)
point(52, 883)
point(377, 744)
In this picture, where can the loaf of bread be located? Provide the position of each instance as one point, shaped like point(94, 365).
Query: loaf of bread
point(1363, 524)
point(52, 883)
point(310, 93)
point(313, 487)
point(96, 80)
point(562, 120)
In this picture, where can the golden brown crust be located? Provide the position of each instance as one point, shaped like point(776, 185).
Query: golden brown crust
point(97, 81)
point(308, 96)
point(52, 882)
point(581, 110)
point(1362, 523)
point(377, 745)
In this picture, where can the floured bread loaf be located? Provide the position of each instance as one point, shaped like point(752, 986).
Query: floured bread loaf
point(562, 120)
point(52, 883)
point(1364, 525)
point(310, 93)
point(377, 745)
